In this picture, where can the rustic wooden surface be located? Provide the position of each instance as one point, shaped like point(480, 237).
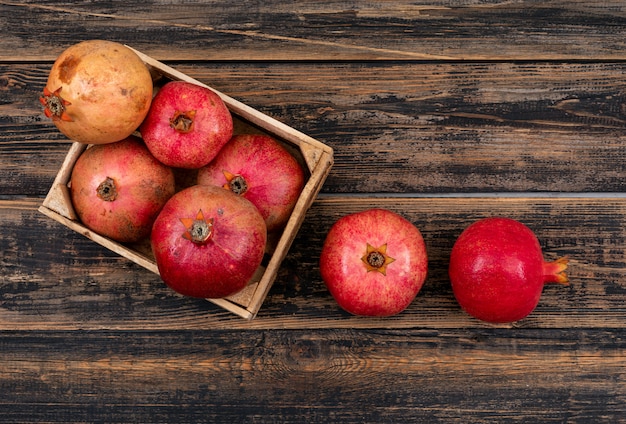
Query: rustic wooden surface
point(444, 111)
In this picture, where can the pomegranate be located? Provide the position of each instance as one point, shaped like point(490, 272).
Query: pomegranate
point(118, 189)
point(187, 125)
point(497, 270)
point(208, 242)
point(258, 168)
point(97, 92)
point(374, 262)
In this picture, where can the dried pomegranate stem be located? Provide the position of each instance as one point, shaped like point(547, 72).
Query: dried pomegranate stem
point(235, 183)
point(376, 259)
point(54, 105)
point(107, 190)
point(183, 121)
point(199, 229)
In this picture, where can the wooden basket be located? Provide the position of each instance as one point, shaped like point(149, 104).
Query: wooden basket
point(316, 158)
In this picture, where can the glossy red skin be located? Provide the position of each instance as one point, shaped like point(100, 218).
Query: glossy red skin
point(274, 177)
point(358, 291)
point(222, 266)
point(213, 125)
point(108, 87)
point(143, 184)
point(496, 270)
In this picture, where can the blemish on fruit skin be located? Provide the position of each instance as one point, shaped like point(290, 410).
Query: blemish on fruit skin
point(68, 69)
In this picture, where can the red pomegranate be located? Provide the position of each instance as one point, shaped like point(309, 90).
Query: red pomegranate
point(374, 262)
point(187, 125)
point(119, 188)
point(97, 92)
point(497, 270)
point(260, 169)
point(208, 242)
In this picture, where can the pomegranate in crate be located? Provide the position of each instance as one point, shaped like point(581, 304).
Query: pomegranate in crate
point(118, 189)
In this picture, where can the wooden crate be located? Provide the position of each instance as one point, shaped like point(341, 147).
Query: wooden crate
point(316, 158)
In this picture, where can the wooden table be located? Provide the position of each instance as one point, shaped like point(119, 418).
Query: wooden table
point(443, 111)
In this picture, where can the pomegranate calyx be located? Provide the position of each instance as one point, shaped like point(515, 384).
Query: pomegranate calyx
point(376, 258)
point(107, 190)
point(55, 105)
point(235, 183)
point(554, 272)
point(199, 229)
point(182, 122)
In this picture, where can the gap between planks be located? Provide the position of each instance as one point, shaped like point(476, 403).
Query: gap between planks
point(27, 203)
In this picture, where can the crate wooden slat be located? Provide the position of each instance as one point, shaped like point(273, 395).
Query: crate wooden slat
point(313, 154)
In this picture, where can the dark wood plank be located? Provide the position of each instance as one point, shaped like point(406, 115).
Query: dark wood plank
point(54, 278)
point(442, 111)
point(296, 376)
point(413, 128)
point(333, 30)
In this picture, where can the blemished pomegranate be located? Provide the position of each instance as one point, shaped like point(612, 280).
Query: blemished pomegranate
point(260, 169)
point(118, 189)
point(97, 92)
point(374, 262)
point(498, 272)
point(208, 242)
point(187, 125)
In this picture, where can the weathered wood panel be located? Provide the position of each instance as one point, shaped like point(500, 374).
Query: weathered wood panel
point(332, 30)
point(54, 278)
point(443, 111)
point(395, 127)
point(296, 376)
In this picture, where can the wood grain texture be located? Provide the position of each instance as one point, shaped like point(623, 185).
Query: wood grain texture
point(410, 128)
point(87, 287)
point(333, 30)
point(442, 111)
point(462, 376)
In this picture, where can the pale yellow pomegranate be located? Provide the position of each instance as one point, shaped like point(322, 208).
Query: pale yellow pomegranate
point(97, 92)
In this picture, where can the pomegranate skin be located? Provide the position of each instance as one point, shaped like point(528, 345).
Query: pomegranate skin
point(186, 125)
point(497, 270)
point(271, 177)
point(118, 189)
point(224, 259)
point(360, 288)
point(97, 92)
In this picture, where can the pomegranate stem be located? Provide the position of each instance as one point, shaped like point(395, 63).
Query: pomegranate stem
point(183, 121)
point(199, 229)
point(554, 272)
point(238, 185)
point(107, 190)
point(55, 105)
point(376, 259)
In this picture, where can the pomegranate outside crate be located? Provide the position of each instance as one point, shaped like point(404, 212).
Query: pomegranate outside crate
point(374, 262)
point(498, 272)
